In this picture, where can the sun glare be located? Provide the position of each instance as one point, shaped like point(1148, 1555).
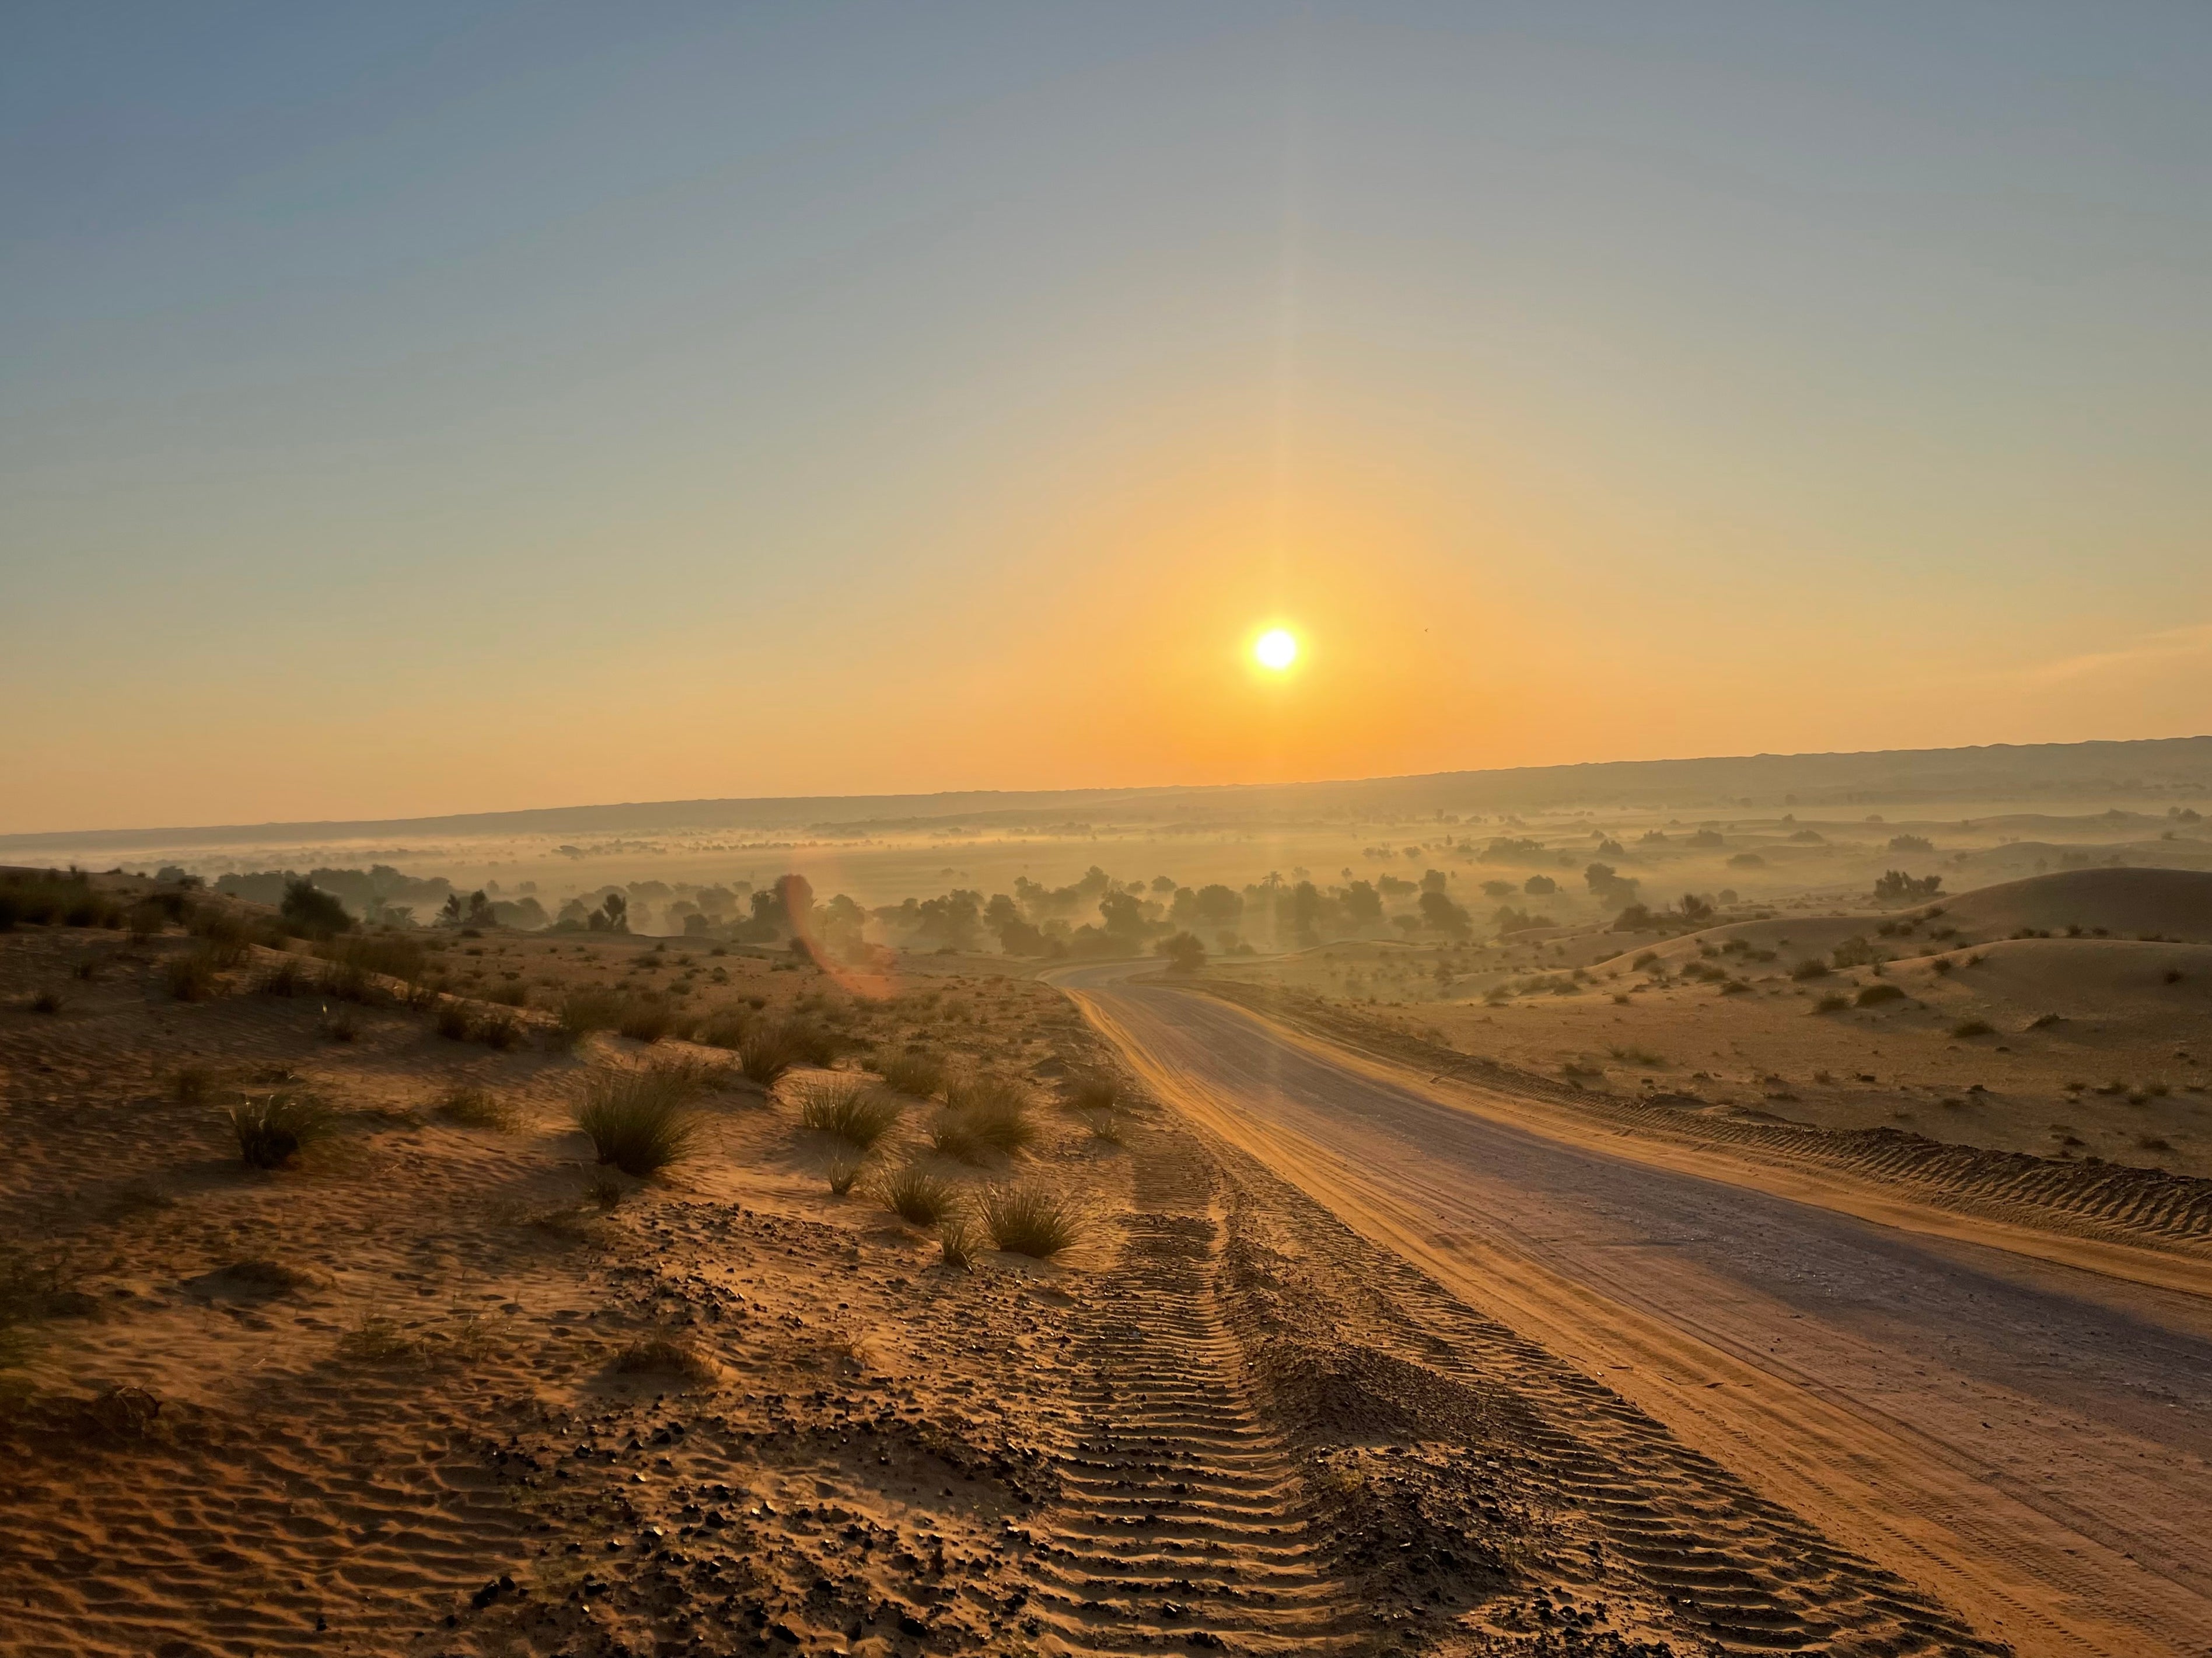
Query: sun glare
point(1276, 649)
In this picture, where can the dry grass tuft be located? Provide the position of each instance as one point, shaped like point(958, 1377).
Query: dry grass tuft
point(479, 1107)
point(191, 975)
point(765, 1053)
point(984, 1114)
point(958, 1244)
point(917, 1075)
point(1093, 1093)
point(276, 1128)
point(636, 1118)
point(916, 1196)
point(843, 1170)
point(1028, 1220)
point(668, 1356)
point(857, 1112)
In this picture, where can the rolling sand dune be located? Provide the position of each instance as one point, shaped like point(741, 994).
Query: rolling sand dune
point(2175, 903)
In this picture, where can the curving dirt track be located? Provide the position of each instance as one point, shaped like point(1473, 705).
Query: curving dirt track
point(2029, 1441)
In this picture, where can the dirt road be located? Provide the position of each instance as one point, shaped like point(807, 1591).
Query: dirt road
point(2029, 1441)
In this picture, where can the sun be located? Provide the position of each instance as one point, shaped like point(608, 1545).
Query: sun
point(1276, 648)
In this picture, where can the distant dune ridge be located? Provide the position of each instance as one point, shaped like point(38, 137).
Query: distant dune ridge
point(1998, 772)
point(2172, 903)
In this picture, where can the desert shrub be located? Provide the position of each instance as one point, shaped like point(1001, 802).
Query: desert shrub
point(958, 1244)
point(479, 1107)
point(453, 1022)
point(1873, 995)
point(287, 976)
point(500, 1030)
point(1027, 1220)
point(724, 1028)
point(843, 1170)
point(275, 1128)
point(856, 1112)
point(315, 913)
point(667, 1356)
point(582, 1011)
point(646, 1019)
point(765, 1053)
point(1833, 1002)
point(919, 1075)
point(996, 1111)
point(636, 1118)
point(812, 1040)
point(915, 1194)
point(226, 939)
point(954, 1136)
point(55, 897)
point(1972, 1028)
point(191, 975)
point(1813, 968)
point(1093, 1093)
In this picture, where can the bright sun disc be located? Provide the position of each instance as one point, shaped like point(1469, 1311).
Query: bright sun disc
point(1276, 649)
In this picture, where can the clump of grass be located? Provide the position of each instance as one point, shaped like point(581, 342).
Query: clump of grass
point(916, 1196)
point(341, 1026)
point(919, 1075)
point(991, 1111)
point(1104, 1126)
point(952, 1135)
point(55, 897)
point(275, 1128)
point(1973, 1028)
point(1093, 1093)
point(813, 1041)
point(46, 1001)
point(646, 1019)
point(287, 976)
point(190, 976)
point(479, 1107)
point(1832, 1002)
point(843, 1168)
point(1813, 968)
point(636, 1118)
point(859, 1112)
point(957, 1243)
point(765, 1053)
point(582, 1011)
point(664, 1355)
point(499, 1031)
point(453, 1022)
point(1873, 995)
point(1028, 1220)
point(378, 1340)
point(724, 1028)
point(196, 1085)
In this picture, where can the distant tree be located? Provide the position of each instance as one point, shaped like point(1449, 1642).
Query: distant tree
point(1438, 911)
point(1185, 951)
point(312, 911)
point(1910, 843)
point(1363, 905)
point(1637, 918)
point(611, 916)
point(1218, 906)
point(1694, 909)
point(1609, 887)
point(1121, 915)
point(1497, 889)
point(1897, 887)
point(1539, 886)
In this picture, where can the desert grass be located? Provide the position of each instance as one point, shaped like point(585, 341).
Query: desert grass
point(725, 1028)
point(1874, 995)
point(191, 975)
point(1093, 1093)
point(646, 1019)
point(45, 1001)
point(287, 976)
point(985, 1114)
point(1105, 1127)
point(916, 1196)
point(958, 1244)
point(667, 1355)
point(275, 1128)
point(56, 898)
point(1028, 1220)
point(765, 1053)
point(857, 1112)
point(637, 1121)
point(917, 1075)
point(454, 1022)
point(842, 1171)
point(479, 1107)
point(499, 1030)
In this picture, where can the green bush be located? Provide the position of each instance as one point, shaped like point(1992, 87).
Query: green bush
point(637, 1121)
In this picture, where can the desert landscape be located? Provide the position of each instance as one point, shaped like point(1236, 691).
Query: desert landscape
point(788, 1279)
point(1301, 830)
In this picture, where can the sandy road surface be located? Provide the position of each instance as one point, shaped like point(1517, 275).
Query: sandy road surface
point(2030, 1441)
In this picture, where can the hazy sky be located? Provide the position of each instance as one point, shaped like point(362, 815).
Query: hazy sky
point(425, 408)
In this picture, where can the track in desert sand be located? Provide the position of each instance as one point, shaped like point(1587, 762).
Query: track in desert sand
point(2029, 1441)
